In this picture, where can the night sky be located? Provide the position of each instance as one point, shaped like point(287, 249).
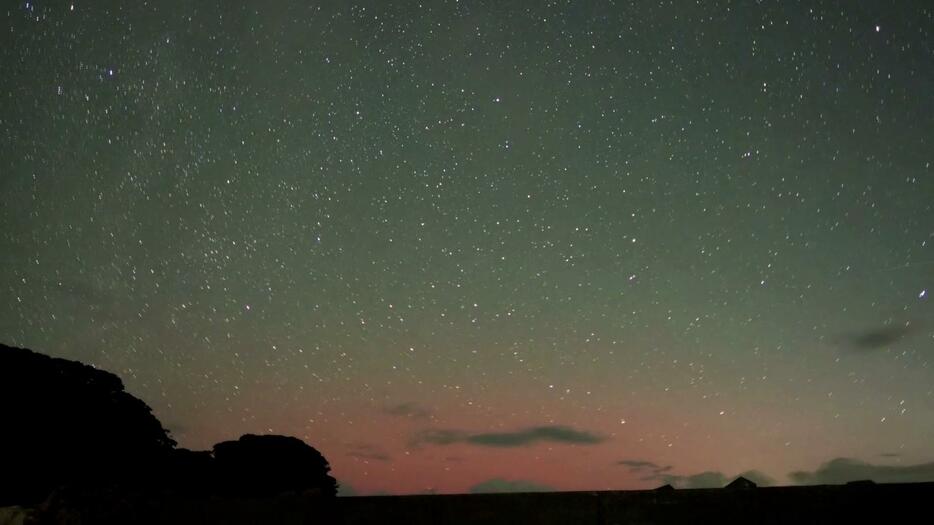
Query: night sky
point(501, 245)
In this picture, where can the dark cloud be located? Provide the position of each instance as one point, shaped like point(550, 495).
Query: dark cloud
point(636, 464)
point(412, 410)
point(650, 471)
point(842, 470)
point(504, 485)
point(439, 437)
point(704, 480)
point(879, 337)
point(557, 434)
point(519, 438)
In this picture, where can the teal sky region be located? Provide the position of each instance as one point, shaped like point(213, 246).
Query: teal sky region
point(490, 246)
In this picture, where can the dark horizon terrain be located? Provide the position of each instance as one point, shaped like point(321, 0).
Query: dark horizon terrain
point(475, 246)
point(85, 451)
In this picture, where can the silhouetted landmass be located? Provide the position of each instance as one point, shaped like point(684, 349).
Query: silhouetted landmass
point(69, 423)
point(858, 503)
point(77, 448)
point(263, 466)
point(190, 472)
point(846, 504)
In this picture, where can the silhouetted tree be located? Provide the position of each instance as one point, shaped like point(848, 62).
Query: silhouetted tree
point(261, 466)
point(189, 472)
point(75, 441)
point(65, 422)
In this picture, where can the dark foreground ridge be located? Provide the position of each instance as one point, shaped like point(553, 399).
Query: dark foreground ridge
point(78, 449)
point(852, 503)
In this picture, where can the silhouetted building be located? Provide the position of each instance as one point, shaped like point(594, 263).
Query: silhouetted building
point(740, 483)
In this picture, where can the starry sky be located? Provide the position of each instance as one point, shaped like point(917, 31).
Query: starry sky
point(472, 246)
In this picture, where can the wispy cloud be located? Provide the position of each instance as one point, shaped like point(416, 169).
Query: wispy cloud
point(519, 438)
point(367, 452)
point(878, 337)
point(647, 470)
point(412, 410)
point(439, 437)
point(704, 480)
point(637, 464)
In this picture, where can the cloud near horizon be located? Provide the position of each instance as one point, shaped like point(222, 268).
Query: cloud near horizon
point(499, 485)
point(651, 471)
point(637, 464)
point(879, 337)
point(648, 470)
point(408, 409)
point(842, 470)
point(641, 465)
point(519, 438)
point(366, 451)
point(704, 480)
point(712, 479)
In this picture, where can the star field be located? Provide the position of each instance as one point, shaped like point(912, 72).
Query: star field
point(580, 246)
